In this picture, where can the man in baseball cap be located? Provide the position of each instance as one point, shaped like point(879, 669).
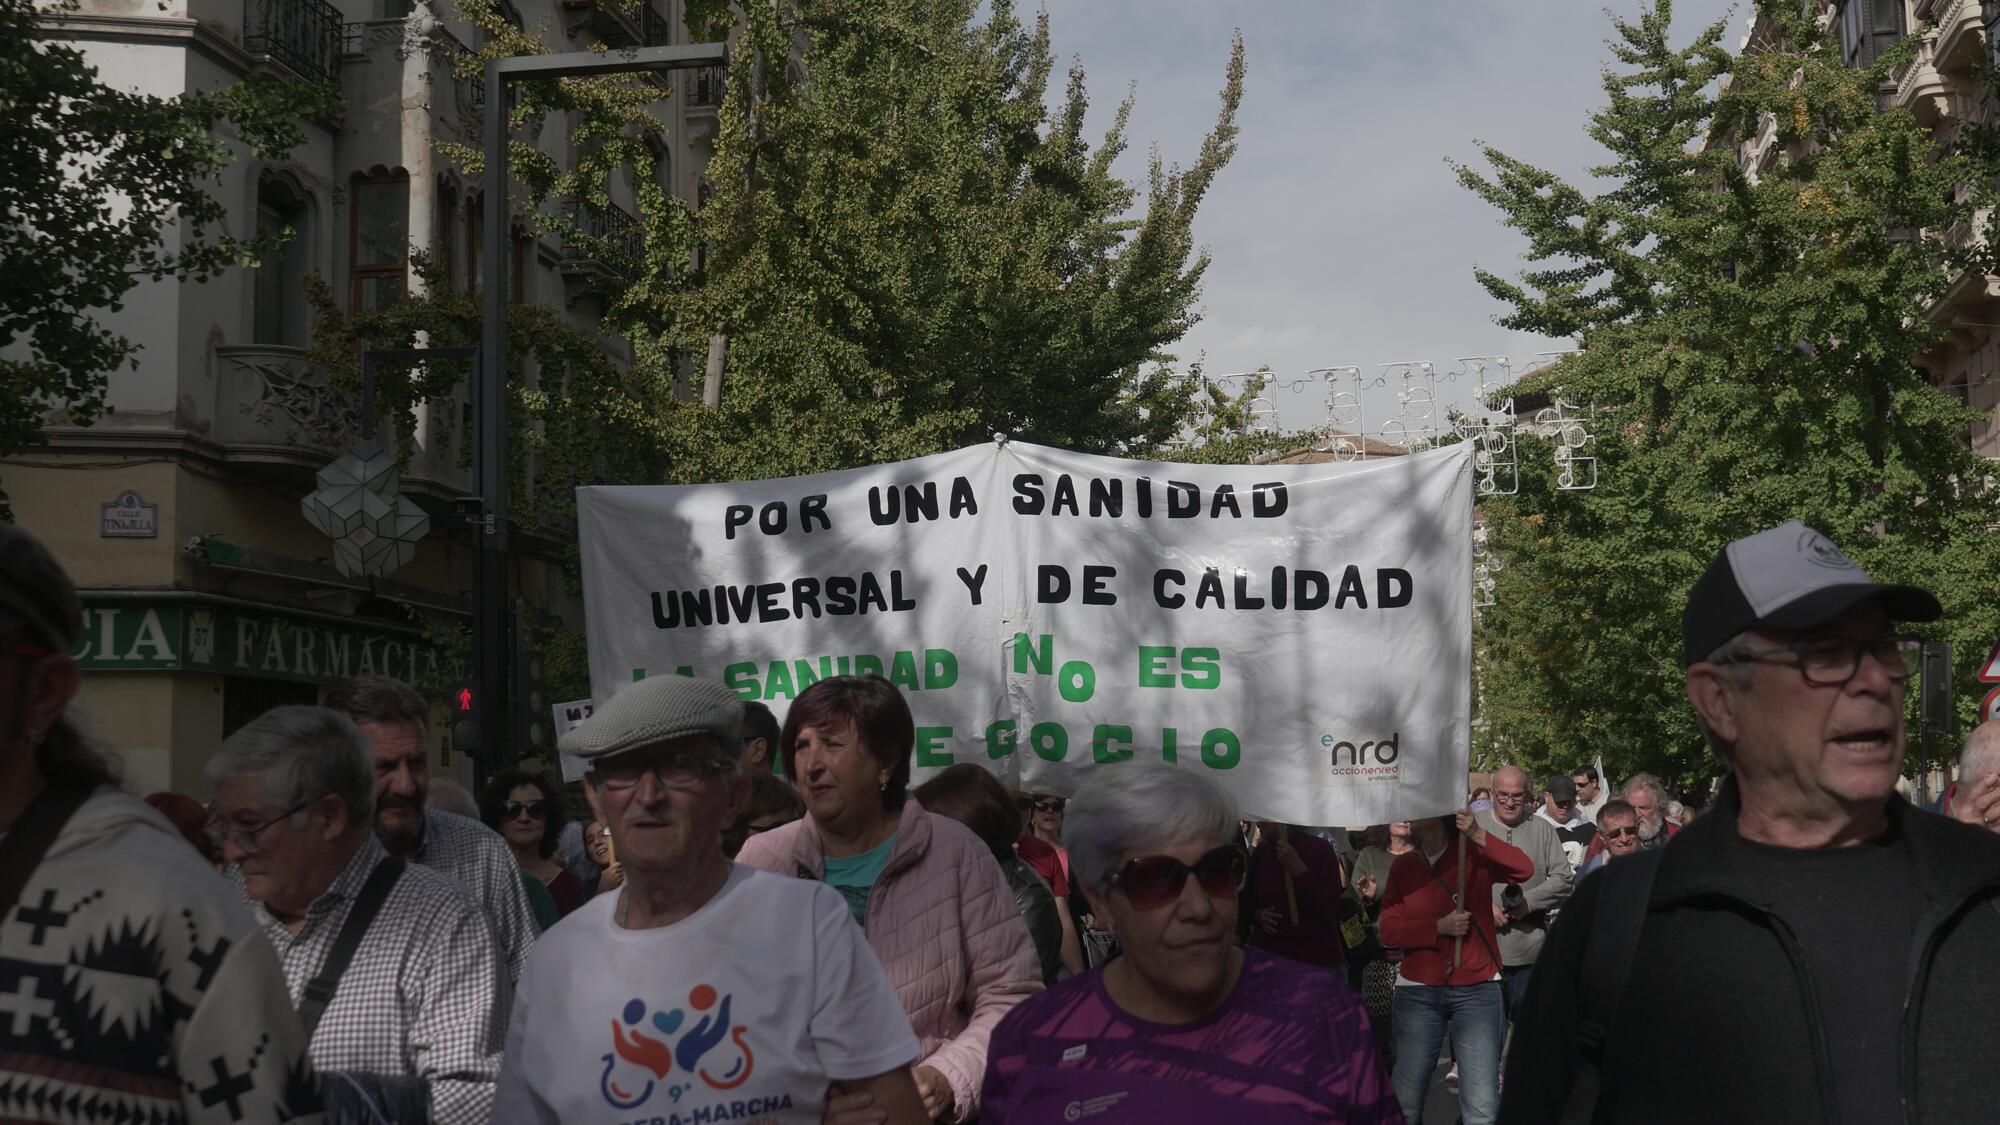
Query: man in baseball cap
point(1815, 946)
point(723, 992)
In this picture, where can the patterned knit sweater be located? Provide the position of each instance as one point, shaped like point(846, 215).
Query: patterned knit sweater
point(135, 988)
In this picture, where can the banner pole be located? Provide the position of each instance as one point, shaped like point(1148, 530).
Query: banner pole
point(1458, 943)
point(1291, 889)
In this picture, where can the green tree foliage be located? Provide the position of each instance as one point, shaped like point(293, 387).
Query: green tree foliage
point(1748, 345)
point(909, 251)
point(904, 250)
point(105, 189)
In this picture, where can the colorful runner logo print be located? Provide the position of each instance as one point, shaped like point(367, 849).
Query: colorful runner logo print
point(642, 1057)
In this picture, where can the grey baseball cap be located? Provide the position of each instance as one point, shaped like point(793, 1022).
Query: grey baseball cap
point(36, 595)
point(1790, 577)
point(655, 710)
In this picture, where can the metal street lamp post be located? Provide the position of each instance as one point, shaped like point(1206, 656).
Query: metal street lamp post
point(489, 581)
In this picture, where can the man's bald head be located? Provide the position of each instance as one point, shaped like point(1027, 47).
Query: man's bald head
point(1511, 798)
point(1980, 755)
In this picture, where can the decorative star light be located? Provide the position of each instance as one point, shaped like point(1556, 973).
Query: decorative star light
point(375, 529)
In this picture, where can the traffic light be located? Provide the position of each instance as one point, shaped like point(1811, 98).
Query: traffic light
point(531, 697)
point(464, 706)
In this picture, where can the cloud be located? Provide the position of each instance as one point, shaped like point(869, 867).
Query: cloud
point(1338, 234)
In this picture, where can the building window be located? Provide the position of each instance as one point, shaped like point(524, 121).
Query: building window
point(450, 248)
point(475, 245)
point(278, 305)
point(521, 249)
point(1867, 28)
point(381, 240)
point(518, 252)
point(244, 698)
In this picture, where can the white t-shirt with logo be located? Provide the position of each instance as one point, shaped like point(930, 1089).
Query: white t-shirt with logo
point(742, 1012)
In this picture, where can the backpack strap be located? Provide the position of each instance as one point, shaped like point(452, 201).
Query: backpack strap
point(1625, 892)
point(319, 990)
point(34, 831)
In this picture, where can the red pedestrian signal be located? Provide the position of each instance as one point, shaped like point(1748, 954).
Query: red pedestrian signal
point(464, 718)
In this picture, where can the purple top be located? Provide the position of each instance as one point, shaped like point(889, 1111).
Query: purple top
point(1291, 1040)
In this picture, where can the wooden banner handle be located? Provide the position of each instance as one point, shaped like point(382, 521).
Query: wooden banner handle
point(1458, 943)
point(1291, 889)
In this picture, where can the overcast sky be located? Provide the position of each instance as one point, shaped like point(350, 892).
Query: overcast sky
point(1338, 234)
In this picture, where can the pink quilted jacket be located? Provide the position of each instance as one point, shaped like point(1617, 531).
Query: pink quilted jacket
point(946, 928)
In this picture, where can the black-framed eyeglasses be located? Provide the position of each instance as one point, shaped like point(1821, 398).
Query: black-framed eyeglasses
point(675, 771)
point(1506, 798)
point(1833, 661)
point(1152, 881)
point(1051, 804)
point(245, 839)
point(538, 808)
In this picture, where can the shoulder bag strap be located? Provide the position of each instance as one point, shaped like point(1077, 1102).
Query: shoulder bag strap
point(1622, 901)
point(319, 990)
point(30, 838)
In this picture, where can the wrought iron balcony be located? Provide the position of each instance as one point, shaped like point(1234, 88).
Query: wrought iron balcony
point(654, 30)
point(606, 239)
point(304, 35)
point(702, 87)
point(621, 23)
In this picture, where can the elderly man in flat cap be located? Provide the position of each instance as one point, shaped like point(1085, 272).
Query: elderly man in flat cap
point(712, 992)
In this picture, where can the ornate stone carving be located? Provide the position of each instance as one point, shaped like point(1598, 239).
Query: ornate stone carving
point(292, 400)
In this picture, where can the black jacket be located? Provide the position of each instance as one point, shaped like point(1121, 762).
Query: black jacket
point(1038, 910)
point(1718, 1020)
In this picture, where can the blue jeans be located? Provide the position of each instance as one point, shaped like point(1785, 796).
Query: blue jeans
point(1514, 978)
point(1478, 1024)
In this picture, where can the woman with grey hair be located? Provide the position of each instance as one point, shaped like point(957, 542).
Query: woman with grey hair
point(1183, 1025)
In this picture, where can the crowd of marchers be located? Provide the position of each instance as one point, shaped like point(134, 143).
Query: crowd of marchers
point(766, 922)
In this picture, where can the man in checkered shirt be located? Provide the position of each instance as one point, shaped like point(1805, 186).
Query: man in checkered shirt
point(395, 726)
point(424, 995)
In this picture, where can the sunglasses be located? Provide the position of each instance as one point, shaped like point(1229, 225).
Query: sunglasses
point(1152, 881)
point(538, 809)
point(1619, 833)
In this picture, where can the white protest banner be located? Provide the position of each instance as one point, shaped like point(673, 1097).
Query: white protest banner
point(1300, 632)
point(568, 717)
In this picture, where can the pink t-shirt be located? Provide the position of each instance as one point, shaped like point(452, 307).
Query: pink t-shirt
point(1291, 1041)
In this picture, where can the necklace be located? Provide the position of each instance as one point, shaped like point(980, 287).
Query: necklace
point(624, 908)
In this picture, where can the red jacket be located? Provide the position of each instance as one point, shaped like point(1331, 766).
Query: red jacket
point(1414, 900)
point(1315, 938)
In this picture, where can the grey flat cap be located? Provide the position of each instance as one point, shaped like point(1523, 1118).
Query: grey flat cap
point(656, 709)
